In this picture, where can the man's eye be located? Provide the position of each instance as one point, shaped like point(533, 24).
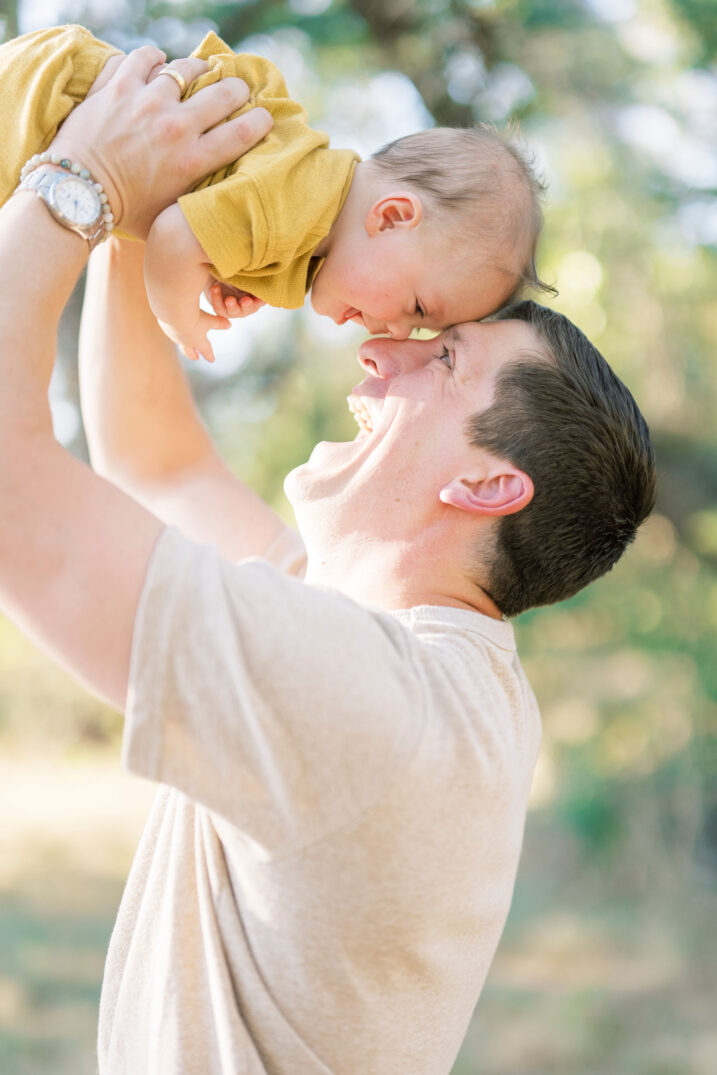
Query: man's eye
point(445, 356)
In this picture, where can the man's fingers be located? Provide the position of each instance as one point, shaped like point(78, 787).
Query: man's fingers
point(215, 102)
point(230, 140)
point(105, 74)
point(189, 69)
point(138, 64)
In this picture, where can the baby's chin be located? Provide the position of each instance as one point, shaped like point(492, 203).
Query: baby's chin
point(320, 304)
point(339, 312)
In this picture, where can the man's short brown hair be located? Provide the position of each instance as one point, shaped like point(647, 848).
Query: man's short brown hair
point(568, 421)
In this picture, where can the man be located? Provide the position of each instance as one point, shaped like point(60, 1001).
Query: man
point(345, 758)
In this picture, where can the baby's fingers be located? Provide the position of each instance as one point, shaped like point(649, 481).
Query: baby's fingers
point(249, 305)
point(209, 323)
point(204, 350)
point(217, 299)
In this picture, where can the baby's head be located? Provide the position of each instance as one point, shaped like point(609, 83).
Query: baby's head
point(438, 227)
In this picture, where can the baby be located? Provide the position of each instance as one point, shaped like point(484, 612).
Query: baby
point(435, 228)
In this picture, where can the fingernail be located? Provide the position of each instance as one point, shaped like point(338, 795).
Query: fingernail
point(257, 121)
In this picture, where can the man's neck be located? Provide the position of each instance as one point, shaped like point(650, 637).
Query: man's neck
point(397, 581)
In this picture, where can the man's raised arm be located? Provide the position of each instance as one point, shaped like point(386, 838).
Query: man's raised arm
point(74, 549)
point(142, 425)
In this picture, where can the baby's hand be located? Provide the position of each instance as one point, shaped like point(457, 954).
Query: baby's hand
point(191, 335)
point(229, 301)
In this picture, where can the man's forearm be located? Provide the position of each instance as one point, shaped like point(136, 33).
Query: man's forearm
point(141, 422)
point(62, 527)
point(74, 549)
point(142, 425)
point(32, 297)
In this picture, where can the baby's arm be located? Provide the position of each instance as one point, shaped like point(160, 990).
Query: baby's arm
point(176, 269)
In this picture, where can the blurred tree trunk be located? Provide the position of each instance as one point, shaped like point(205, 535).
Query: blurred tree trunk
point(8, 12)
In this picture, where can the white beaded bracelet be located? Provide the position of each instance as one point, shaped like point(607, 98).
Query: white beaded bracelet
point(79, 170)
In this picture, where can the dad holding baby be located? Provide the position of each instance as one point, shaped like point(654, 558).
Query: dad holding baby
point(341, 729)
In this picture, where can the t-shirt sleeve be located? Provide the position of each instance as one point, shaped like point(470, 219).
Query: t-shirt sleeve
point(285, 708)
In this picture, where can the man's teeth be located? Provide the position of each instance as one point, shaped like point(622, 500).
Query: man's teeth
point(360, 413)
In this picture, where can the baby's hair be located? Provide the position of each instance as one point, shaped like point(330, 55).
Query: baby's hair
point(481, 169)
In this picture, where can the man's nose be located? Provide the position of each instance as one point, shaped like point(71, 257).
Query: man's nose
point(386, 358)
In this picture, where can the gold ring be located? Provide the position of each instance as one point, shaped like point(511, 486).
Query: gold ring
point(179, 79)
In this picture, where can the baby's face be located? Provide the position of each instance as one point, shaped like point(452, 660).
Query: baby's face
point(395, 282)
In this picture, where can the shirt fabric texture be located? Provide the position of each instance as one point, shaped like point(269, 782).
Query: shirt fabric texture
point(329, 862)
point(258, 219)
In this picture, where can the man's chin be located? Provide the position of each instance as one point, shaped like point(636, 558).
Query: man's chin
point(303, 491)
point(300, 481)
point(292, 484)
point(325, 471)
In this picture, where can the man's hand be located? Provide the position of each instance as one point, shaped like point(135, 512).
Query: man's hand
point(145, 146)
point(73, 548)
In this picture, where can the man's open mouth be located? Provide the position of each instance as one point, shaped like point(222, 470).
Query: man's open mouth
point(360, 412)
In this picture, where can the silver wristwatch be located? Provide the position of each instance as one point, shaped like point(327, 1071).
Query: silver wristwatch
point(72, 200)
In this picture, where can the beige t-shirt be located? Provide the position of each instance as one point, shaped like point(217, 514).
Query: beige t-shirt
point(327, 869)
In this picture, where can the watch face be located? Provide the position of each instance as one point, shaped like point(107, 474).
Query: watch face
point(77, 201)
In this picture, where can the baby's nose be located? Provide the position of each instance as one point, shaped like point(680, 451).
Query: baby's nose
point(376, 328)
point(399, 331)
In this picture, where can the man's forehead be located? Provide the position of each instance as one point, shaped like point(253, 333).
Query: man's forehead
point(499, 341)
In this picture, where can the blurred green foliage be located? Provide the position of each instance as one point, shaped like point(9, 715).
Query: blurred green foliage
point(619, 100)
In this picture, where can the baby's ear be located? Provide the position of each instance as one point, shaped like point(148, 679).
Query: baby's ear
point(401, 210)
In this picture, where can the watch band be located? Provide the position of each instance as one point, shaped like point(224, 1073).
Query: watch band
point(45, 173)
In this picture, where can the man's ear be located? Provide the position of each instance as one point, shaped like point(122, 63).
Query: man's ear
point(500, 493)
point(400, 210)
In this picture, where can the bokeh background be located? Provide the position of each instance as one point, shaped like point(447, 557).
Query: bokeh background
point(608, 963)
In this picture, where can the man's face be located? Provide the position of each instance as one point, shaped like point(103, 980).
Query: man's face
point(392, 282)
point(412, 408)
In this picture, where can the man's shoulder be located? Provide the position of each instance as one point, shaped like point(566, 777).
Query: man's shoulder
point(475, 689)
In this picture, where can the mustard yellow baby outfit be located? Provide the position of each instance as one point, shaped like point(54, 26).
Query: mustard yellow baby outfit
point(258, 219)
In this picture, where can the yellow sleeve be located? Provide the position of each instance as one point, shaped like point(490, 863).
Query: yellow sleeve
point(259, 219)
point(43, 75)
